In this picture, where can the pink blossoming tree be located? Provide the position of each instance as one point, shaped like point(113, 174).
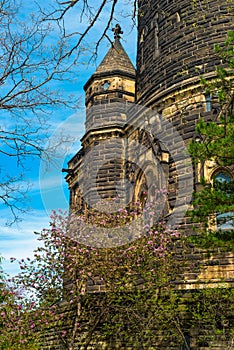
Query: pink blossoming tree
point(80, 295)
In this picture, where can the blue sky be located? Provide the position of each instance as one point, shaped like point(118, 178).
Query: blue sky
point(48, 189)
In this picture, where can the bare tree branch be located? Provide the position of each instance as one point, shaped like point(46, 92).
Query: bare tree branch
point(37, 52)
point(13, 194)
point(90, 14)
point(32, 63)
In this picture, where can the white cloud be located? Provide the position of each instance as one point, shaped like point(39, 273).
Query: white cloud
point(19, 240)
point(47, 183)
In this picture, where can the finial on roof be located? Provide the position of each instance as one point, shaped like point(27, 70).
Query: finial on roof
point(117, 31)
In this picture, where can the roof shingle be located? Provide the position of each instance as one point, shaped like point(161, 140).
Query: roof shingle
point(116, 59)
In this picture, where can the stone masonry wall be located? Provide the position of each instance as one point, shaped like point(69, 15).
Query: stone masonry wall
point(176, 43)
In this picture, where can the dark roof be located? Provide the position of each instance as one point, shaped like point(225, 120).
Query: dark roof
point(116, 59)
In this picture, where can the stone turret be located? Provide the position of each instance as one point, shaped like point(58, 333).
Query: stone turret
point(98, 169)
point(114, 79)
point(175, 48)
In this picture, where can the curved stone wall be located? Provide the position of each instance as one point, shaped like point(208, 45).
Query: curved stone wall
point(176, 44)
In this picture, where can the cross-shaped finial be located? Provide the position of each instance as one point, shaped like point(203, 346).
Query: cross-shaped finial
point(117, 31)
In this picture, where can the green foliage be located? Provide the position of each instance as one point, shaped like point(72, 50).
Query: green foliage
point(216, 143)
point(63, 270)
point(217, 136)
point(212, 200)
point(159, 318)
point(227, 52)
point(141, 305)
point(214, 239)
point(201, 305)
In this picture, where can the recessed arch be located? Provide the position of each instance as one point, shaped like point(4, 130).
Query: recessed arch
point(218, 171)
point(148, 183)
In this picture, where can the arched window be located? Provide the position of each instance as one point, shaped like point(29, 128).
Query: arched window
point(221, 182)
point(221, 178)
point(141, 190)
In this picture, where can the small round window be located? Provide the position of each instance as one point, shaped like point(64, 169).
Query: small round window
point(105, 86)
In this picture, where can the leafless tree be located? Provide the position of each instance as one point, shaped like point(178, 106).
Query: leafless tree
point(32, 64)
point(38, 50)
point(91, 17)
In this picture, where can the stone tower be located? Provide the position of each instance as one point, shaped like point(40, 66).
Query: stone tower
point(175, 47)
point(97, 170)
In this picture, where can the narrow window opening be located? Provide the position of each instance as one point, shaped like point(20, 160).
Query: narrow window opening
point(178, 18)
point(142, 56)
point(141, 41)
point(142, 36)
point(156, 41)
point(156, 37)
point(208, 103)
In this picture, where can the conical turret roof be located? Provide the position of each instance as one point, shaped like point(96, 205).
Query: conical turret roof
point(116, 59)
point(115, 63)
